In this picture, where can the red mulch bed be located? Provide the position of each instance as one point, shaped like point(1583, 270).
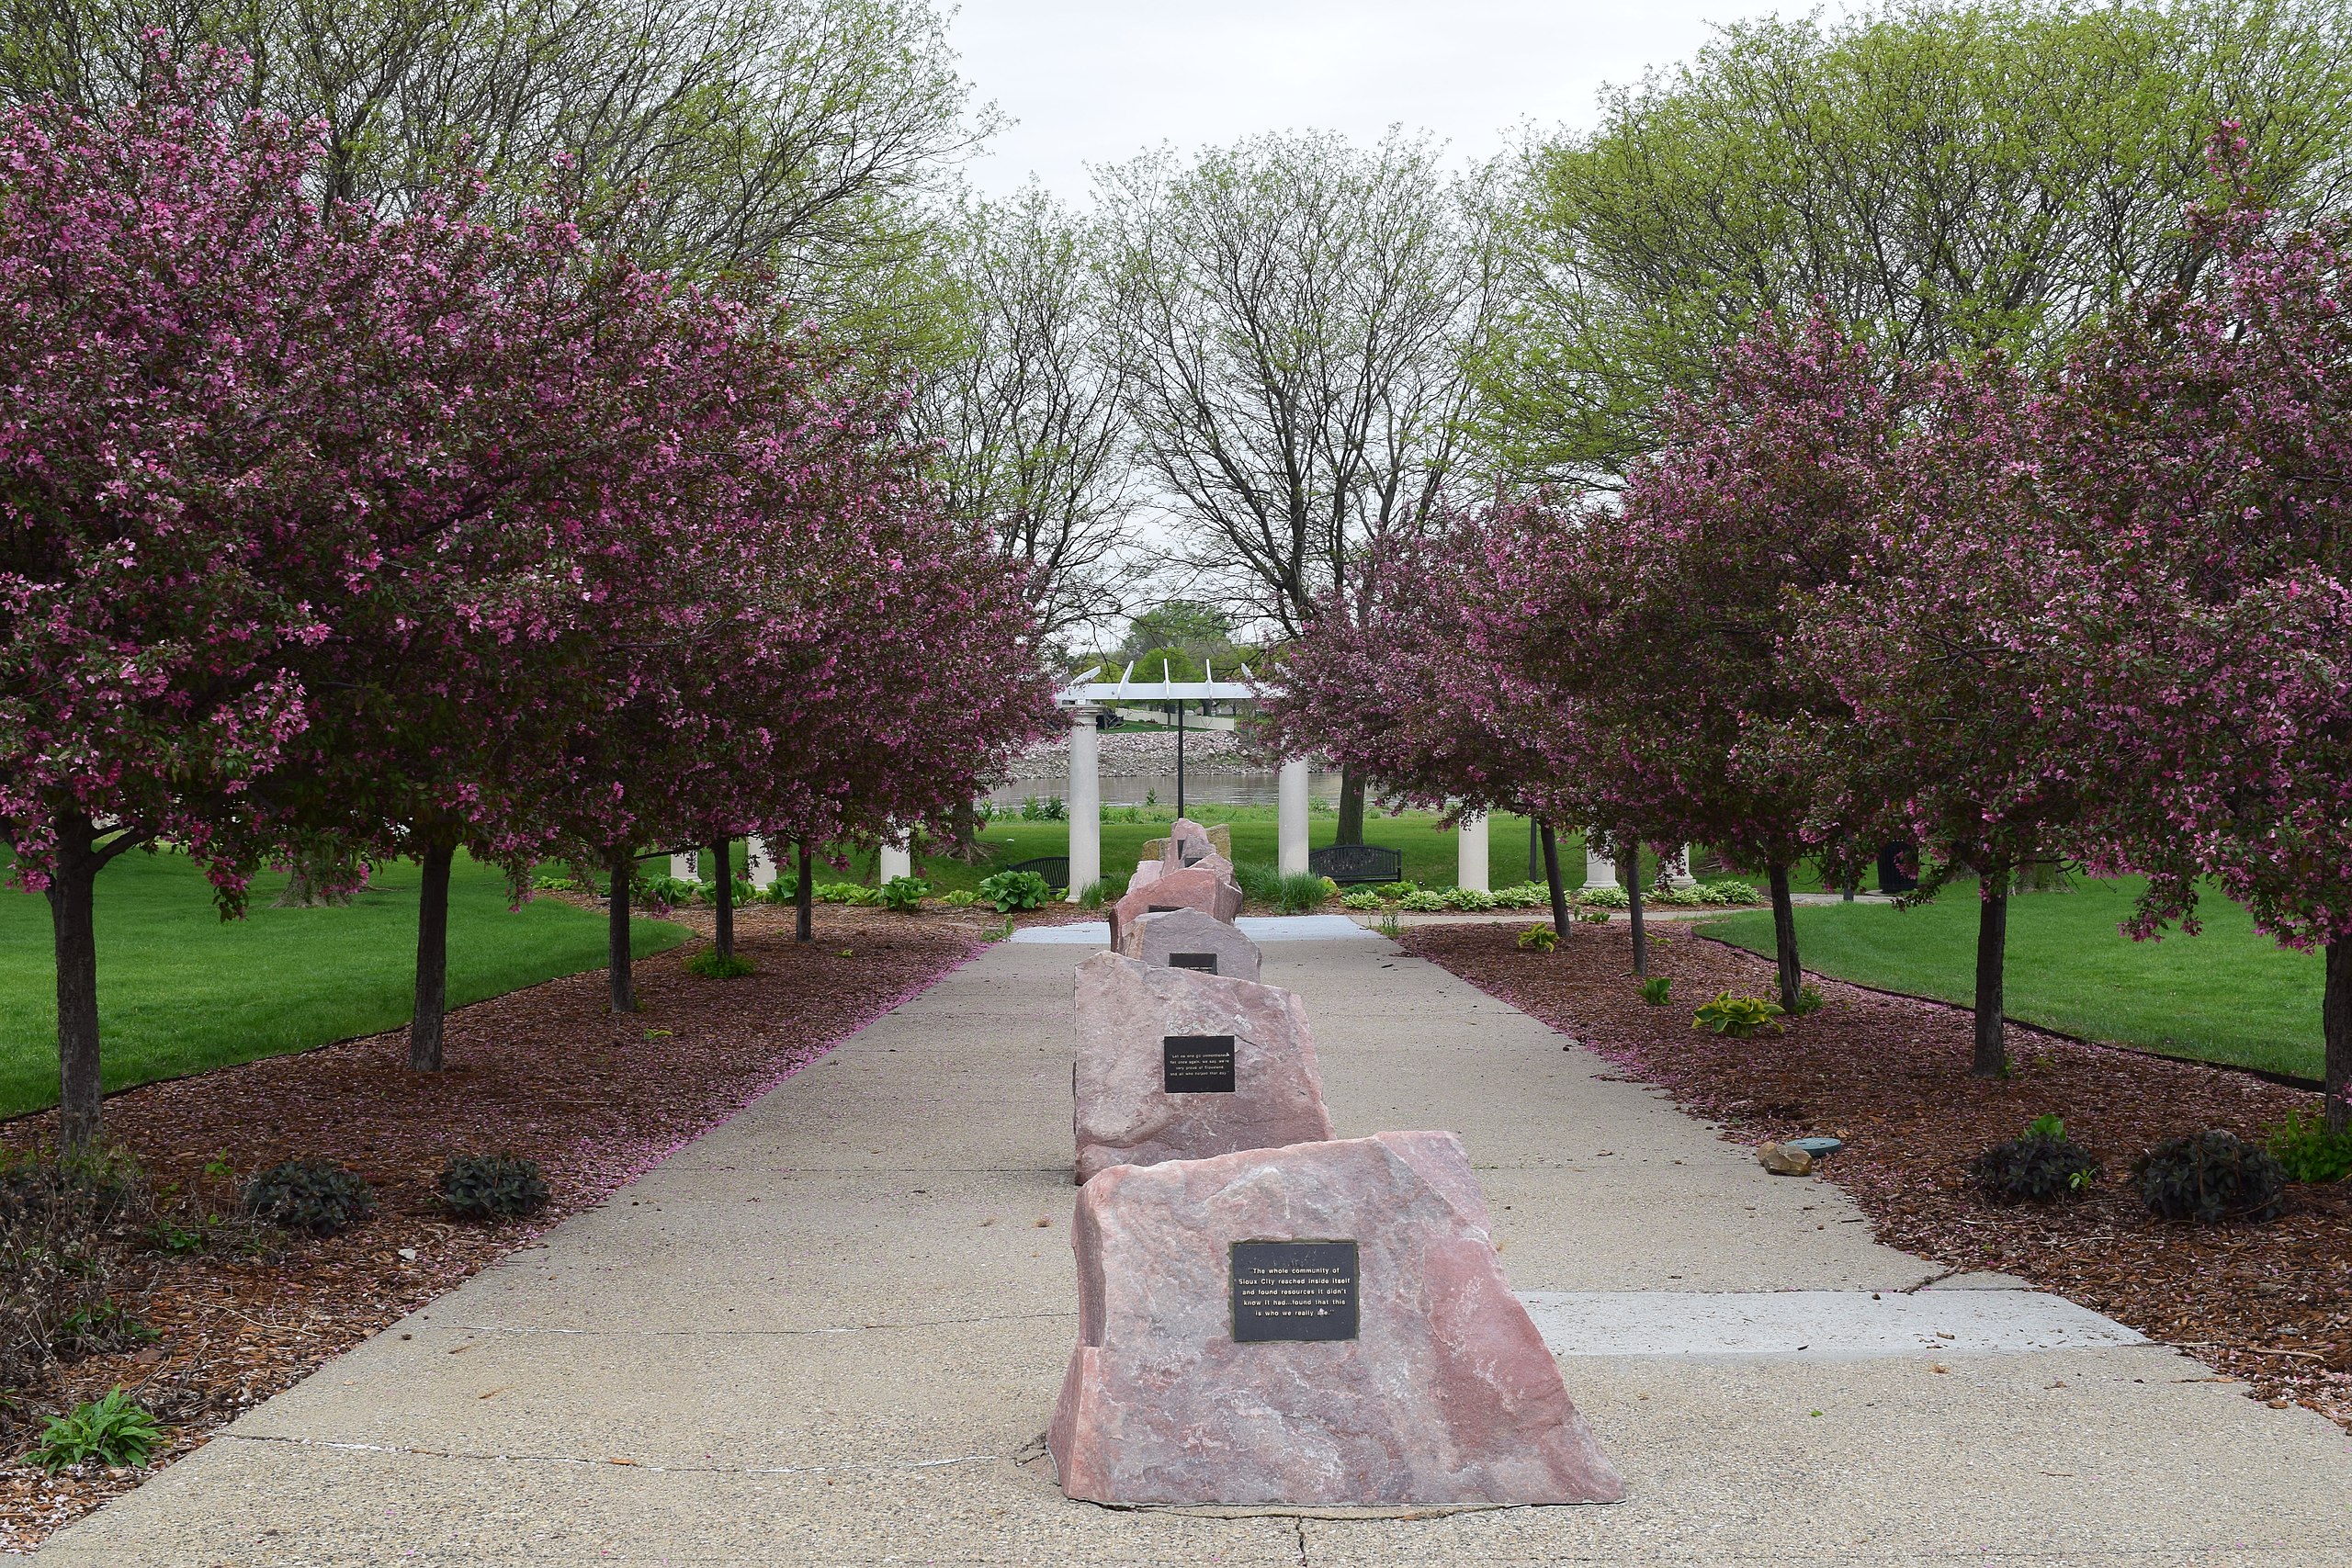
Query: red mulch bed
point(548, 1072)
point(2270, 1304)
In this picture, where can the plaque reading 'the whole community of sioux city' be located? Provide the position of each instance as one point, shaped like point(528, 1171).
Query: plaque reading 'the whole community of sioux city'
point(1196, 1064)
point(1293, 1290)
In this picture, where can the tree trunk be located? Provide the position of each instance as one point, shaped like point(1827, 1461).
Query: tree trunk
point(2336, 1024)
point(1351, 827)
point(71, 891)
point(432, 960)
point(722, 899)
point(622, 867)
point(1784, 938)
point(1552, 875)
point(1629, 872)
point(1991, 1057)
point(804, 901)
point(964, 823)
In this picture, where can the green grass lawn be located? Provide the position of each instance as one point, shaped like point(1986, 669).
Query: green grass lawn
point(2229, 994)
point(1429, 851)
point(180, 990)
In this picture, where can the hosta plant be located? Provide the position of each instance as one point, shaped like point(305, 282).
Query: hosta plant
point(1538, 939)
point(1657, 990)
point(1738, 1016)
point(905, 894)
point(1007, 891)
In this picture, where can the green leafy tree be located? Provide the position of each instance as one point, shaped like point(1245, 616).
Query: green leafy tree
point(1944, 180)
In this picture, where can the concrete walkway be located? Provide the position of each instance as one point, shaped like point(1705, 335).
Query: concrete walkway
point(830, 1331)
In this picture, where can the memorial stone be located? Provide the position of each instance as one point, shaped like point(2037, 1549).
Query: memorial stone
point(1192, 889)
point(1174, 1064)
point(1324, 1324)
point(1189, 938)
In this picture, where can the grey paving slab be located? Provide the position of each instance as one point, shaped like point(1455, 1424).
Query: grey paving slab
point(830, 1332)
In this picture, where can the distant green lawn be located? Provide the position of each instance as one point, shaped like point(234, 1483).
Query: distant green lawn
point(1428, 852)
point(2229, 994)
point(180, 990)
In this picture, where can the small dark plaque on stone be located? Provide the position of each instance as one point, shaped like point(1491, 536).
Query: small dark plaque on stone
point(1164, 908)
point(1203, 960)
point(1293, 1290)
point(1196, 1064)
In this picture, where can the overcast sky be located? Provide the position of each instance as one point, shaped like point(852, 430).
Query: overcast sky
point(1097, 83)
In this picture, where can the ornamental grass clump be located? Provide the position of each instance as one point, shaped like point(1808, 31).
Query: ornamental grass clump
point(1301, 892)
point(1738, 1016)
point(492, 1187)
point(314, 1196)
point(2039, 1167)
point(2210, 1177)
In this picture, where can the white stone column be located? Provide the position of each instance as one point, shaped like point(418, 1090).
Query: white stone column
point(1085, 802)
point(1599, 871)
point(1677, 870)
point(897, 860)
point(684, 866)
point(761, 863)
point(1290, 818)
point(1470, 852)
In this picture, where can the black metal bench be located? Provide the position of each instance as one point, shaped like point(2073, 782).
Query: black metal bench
point(1348, 864)
point(1055, 869)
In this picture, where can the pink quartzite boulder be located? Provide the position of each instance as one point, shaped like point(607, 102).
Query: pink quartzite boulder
point(1446, 1394)
point(1191, 888)
point(1187, 939)
point(1124, 1115)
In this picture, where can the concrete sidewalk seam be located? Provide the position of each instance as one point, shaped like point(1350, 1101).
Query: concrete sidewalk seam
point(745, 1332)
point(404, 1451)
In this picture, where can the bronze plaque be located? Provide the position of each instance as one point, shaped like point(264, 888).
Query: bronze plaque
point(1196, 1064)
point(1293, 1290)
point(1204, 961)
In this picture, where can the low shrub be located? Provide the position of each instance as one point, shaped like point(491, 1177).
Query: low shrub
point(1738, 1016)
point(1362, 898)
point(2207, 1178)
point(1658, 990)
point(1009, 890)
point(1422, 901)
point(492, 1187)
point(657, 894)
point(115, 1430)
point(1052, 808)
point(1809, 999)
point(312, 1195)
point(1728, 890)
point(2307, 1151)
point(1538, 939)
point(1604, 897)
point(904, 894)
point(712, 965)
point(2040, 1168)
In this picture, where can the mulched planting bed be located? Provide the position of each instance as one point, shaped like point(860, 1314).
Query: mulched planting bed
point(2268, 1304)
point(548, 1073)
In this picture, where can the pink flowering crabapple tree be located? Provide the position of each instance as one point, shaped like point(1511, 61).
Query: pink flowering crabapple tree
point(1402, 693)
point(188, 433)
point(2196, 581)
point(1666, 616)
point(1939, 653)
